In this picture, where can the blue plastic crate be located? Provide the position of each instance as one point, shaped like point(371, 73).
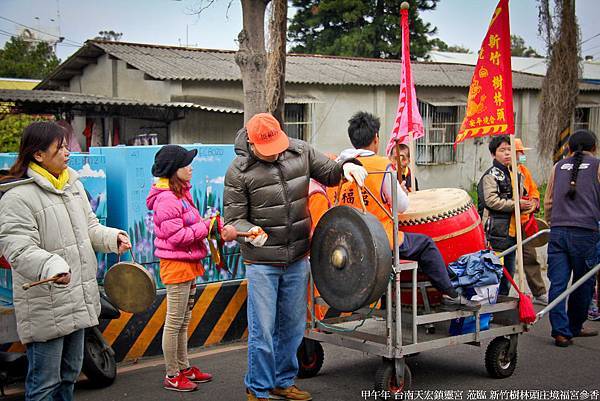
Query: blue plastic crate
point(129, 180)
point(92, 172)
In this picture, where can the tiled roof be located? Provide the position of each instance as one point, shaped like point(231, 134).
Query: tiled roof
point(73, 98)
point(180, 63)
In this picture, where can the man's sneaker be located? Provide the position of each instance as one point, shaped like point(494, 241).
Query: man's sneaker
point(291, 393)
point(461, 301)
point(541, 300)
point(195, 375)
point(252, 397)
point(179, 383)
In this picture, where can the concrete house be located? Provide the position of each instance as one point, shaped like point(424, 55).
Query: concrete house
point(322, 93)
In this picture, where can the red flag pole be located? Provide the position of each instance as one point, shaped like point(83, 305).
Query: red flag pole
point(406, 65)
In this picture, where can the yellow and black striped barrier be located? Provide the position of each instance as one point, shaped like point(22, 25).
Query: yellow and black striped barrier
point(562, 149)
point(218, 315)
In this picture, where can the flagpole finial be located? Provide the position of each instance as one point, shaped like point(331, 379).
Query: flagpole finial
point(404, 5)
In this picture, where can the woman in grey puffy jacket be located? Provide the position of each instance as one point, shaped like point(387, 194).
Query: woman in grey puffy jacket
point(48, 230)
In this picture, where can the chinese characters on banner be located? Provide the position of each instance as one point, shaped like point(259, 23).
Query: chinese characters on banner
point(490, 104)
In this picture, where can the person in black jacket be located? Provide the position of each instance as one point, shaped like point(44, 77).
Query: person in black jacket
point(496, 205)
point(266, 193)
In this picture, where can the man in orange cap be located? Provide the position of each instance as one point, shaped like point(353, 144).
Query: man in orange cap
point(266, 193)
point(533, 269)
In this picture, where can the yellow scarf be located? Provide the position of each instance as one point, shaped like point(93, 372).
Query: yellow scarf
point(58, 183)
point(162, 183)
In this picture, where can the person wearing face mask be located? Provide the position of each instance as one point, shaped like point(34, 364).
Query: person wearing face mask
point(531, 265)
point(496, 205)
point(266, 193)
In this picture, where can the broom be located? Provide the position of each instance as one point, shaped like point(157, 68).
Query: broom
point(527, 314)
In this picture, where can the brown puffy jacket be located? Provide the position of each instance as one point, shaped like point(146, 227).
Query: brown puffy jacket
point(274, 196)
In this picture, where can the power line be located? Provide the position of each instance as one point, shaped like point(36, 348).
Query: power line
point(591, 48)
point(590, 38)
point(11, 35)
point(45, 33)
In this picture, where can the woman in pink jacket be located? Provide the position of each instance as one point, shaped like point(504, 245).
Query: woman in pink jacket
point(179, 244)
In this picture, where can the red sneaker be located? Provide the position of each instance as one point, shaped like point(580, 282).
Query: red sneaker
point(196, 375)
point(179, 383)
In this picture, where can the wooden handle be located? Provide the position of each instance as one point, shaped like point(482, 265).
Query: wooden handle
point(248, 234)
point(35, 283)
point(245, 234)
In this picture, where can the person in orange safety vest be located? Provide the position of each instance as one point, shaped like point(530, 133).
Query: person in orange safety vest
point(363, 131)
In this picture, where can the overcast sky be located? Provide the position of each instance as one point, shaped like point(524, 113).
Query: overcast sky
point(460, 22)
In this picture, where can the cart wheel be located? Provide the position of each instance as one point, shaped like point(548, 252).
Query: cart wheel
point(430, 329)
point(310, 358)
point(497, 363)
point(385, 378)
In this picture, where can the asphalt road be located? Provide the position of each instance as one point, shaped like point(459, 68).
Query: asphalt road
point(349, 375)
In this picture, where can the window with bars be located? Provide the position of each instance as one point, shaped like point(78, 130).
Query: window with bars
point(581, 118)
point(441, 124)
point(297, 121)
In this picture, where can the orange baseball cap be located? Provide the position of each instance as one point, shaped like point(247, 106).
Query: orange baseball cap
point(265, 133)
point(519, 145)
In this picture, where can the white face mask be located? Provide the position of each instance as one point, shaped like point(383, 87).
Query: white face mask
point(522, 159)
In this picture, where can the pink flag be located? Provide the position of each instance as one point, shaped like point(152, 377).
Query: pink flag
point(408, 117)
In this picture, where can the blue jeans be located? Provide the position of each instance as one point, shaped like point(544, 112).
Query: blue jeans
point(276, 323)
point(54, 367)
point(570, 250)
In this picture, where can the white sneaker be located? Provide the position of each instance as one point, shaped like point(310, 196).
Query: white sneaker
point(541, 300)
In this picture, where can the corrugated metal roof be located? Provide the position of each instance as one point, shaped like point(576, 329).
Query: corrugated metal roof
point(180, 63)
point(17, 83)
point(175, 63)
point(73, 98)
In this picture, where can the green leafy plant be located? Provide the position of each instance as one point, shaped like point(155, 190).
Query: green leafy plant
point(11, 129)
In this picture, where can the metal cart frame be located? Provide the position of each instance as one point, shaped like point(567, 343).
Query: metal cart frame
point(402, 323)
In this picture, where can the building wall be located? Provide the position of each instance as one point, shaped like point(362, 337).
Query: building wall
point(339, 104)
point(113, 78)
point(206, 127)
point(96, 79)
point(132, 85)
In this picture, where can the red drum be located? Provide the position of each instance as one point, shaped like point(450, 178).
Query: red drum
point(450, 218)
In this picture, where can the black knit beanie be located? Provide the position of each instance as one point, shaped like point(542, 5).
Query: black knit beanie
point(171, 158)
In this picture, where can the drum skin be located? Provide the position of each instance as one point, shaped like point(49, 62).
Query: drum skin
point(450, 218)
point(350, 258)
point(448, 234)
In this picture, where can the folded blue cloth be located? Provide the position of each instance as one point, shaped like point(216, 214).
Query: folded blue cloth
point(476, 269)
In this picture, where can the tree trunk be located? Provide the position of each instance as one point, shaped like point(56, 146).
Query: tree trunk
point(276, 60)
point(561, 83)
point(378, 23)
point(252, 58)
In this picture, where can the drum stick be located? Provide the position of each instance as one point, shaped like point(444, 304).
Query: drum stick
point(247, 234)
point(35, 283)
